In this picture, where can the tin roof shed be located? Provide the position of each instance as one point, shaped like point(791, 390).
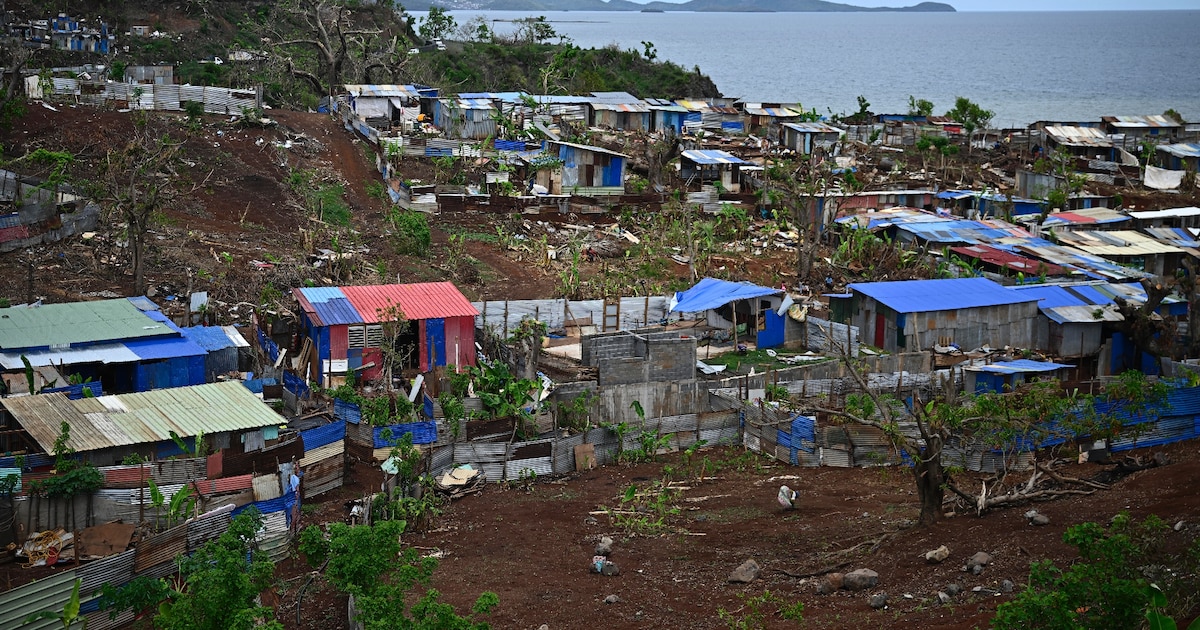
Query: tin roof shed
point(919, 296)
point(712, 156)
point(141, 418)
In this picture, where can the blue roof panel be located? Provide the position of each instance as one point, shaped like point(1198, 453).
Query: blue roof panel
point(920, 296)
point(713, 293)
point(208, 337)
point(169, 348)
point(1050, 295)
point(331, 306)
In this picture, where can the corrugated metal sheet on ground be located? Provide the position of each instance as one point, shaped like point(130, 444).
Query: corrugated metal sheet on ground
point(116, 570)
point(160, 548)
point(520, 468)
point(205, 529)
point(50, 593)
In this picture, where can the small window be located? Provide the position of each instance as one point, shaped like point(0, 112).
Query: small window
point(375, 335)
point(356, 337)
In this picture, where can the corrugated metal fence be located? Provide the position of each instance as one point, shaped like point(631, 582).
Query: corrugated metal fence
point(216, 100)
point(506, 315)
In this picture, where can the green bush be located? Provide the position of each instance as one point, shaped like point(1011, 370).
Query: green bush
point(411, 232)
point(1107, 589)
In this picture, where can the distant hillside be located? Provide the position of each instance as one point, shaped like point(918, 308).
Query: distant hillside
point(781, 6)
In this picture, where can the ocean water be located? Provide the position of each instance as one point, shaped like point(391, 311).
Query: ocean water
point(1025, 66)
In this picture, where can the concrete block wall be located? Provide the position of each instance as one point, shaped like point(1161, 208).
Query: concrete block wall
point(672, 360)
point(619, 344)
point(622, 371)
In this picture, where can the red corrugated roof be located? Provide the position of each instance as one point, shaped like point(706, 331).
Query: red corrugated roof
point(226, 484)
point(1009, 260)
point(426, 300)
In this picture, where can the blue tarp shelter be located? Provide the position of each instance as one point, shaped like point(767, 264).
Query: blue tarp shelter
point(711, 293)
point(714, 293)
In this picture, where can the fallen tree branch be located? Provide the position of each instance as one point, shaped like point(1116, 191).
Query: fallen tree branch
point(824, 571)
point(1064, 479)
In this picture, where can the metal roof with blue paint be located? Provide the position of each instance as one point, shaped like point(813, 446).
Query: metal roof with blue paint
point(812, 127)
point(920, 296)
point(956, 194)
point(326, 306)
point(1055, 295)
point(383, 91)
point(164, 348)
point(714, 293)
point(211, 338)
point(1019, 366)
point(1182, 149)
point(712, 156)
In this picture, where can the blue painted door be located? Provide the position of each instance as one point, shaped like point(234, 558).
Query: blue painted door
point(435, 341)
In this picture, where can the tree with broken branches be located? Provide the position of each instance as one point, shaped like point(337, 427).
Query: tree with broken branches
point(136, 184)
point(1010, 421)
point(325, 43)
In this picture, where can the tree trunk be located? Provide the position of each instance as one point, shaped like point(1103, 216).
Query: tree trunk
point(930, 480)
point(137, 244)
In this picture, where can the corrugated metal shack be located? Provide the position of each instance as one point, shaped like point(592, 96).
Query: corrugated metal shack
point(666, 116)
point(700, 167)
point(107, 428)
point(587, 170)
point(126, 344)
point(228, 351)
point(1179, 157)
point(345, 325)
point(918, 314)
point(619, 110)
point(465, 118)
point(1128, 247)
point(1005, 376)
point(382, 106)
point(34, 214)
point(806, 137)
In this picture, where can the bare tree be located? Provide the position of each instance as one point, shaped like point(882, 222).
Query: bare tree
point(324, 43)
point(136, 183)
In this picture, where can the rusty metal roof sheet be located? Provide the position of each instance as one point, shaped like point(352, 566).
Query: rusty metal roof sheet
point(1010, 260)
point(1079, 136)
point(1116, 243)
point(141, 418)
point(426, 300)
point(1140, 122)
point(1182, 149)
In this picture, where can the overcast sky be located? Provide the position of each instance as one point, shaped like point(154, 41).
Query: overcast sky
point(1044, 5)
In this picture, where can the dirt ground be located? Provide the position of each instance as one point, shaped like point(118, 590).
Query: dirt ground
point(531, 544)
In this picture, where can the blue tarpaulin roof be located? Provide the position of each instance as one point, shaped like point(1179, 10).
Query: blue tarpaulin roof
point(920, 296)
point(1019, 366)
point(713, 293)
point(168, 348)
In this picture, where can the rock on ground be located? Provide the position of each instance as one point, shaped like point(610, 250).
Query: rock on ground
point(879, 600)
point(937, 555)
point(860, 580)
point(745, 573)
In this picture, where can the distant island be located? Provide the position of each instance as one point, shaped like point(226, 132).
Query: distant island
point(731, 6)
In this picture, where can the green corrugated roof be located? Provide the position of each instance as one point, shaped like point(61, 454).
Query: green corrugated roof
point(75, 322)
point(141, 418)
